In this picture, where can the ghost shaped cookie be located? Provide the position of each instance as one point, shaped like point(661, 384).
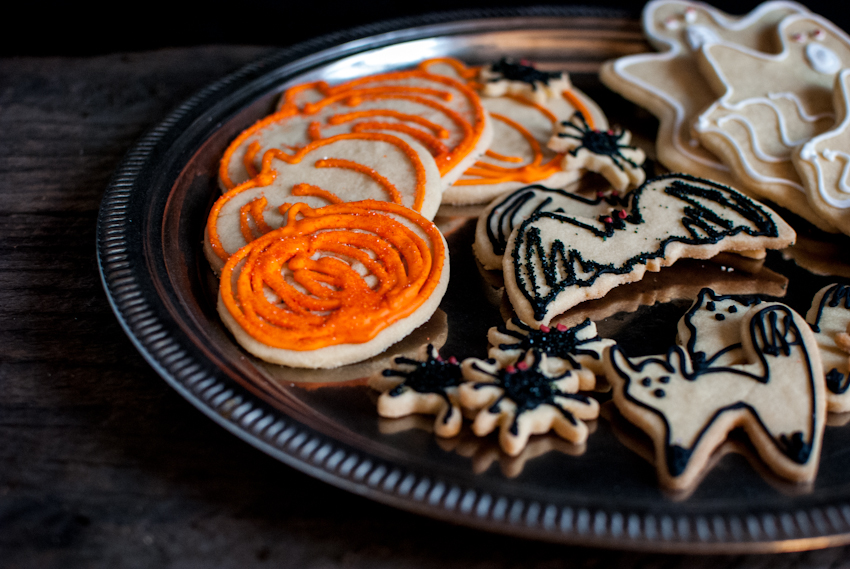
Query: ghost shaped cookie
point(771, 103)
point(670, 85)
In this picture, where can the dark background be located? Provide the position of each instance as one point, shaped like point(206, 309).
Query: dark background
point(77, 28)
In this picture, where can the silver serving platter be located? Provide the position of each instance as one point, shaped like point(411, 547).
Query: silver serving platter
point(324, 423)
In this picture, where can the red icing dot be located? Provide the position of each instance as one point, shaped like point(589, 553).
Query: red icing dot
point(608, 220)
point(622, 214)
point(453, 360)
point(545, 329)
point(561, 327)
point(522, 365)
point(510, 369)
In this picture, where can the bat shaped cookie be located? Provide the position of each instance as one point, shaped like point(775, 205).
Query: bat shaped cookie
point(554, 261)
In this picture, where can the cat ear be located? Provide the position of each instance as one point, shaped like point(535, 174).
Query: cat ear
point(619, 360)
point(677, 361)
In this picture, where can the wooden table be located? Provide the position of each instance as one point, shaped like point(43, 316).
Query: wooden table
point(101, 463)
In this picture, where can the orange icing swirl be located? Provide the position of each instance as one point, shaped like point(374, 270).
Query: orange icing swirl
point(470, 123)
point(337, 275)
point(267, 175)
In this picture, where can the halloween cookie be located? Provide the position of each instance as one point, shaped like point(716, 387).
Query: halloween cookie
point(829, 317)
point(669, 83)
point(606, 152)
point(578, 348)
point(688, 407)
point(441, 113)
point(524, 117)
point(422, 386)
point(334, 285)
point(343, 168)
point(553, 260)
point(523, 400)
point(823, 162)
point(770, 103)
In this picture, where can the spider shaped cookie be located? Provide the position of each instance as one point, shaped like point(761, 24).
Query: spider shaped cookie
point(606, 152)
point(524, 400)
point(506, 77)
point(578, 348)
point(428, 386)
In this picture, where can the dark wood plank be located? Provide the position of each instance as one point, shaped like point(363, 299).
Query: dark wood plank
point(101, 463)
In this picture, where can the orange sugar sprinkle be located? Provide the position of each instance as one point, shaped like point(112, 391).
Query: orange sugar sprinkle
point(403, 253)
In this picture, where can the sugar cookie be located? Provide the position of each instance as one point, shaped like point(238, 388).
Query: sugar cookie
point(345, 167)
point(525, 400)
point(769, 104)
point(519, 79)
point(605, 152)
point(823, 162)
point(578, 348)
point(670, 85)
point(427, 385)
point(334, 285)
point(688, 410)
point(554, 261)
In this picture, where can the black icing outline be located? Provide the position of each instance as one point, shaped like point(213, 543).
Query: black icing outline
point(696, 221)
point(677, 457)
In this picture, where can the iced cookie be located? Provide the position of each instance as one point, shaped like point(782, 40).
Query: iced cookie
point(524, 400)
point(343, 168)
point(522, 125)
point(441, 113)
point(554, 261)
point(823, 163)
point(775, 394)
point(578, 348)
point(829, 317)
point(769, 104)
point(334, 285)
point(670, 85)
point(427, 386)
point(605, 152)
point(498, 220)
point(519, 79)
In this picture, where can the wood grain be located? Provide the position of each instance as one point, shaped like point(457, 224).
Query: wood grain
point(101, 463)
